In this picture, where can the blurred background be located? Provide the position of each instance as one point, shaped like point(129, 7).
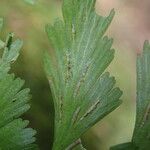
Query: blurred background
point(130, 27)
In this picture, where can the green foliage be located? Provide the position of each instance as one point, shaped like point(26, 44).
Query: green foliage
point(124, 146)
point(82, 93)
point(141, 135)
point(13, 102)
point(1, 23)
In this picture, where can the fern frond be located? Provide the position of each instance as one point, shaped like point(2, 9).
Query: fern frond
point(141, 135)
point(82, 93)
point(13, 103)
point(142, 126)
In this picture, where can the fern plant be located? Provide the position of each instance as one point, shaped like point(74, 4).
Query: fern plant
point(83, 94)
point(141, 134)
point(13, 101)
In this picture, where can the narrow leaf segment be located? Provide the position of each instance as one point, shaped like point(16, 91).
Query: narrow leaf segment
point(13, 102)
point(141, 135)
point(82, 93)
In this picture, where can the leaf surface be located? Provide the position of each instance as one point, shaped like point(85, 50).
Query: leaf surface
point(83, 94)
point(13, 103)
point(141, 135)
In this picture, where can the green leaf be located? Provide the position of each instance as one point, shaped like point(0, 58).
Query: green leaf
point(2, 44)
point(125, 146)
point(10, 54)
point(1, 23)
point(82, 93)
point(141, 135)
point(13, 103)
